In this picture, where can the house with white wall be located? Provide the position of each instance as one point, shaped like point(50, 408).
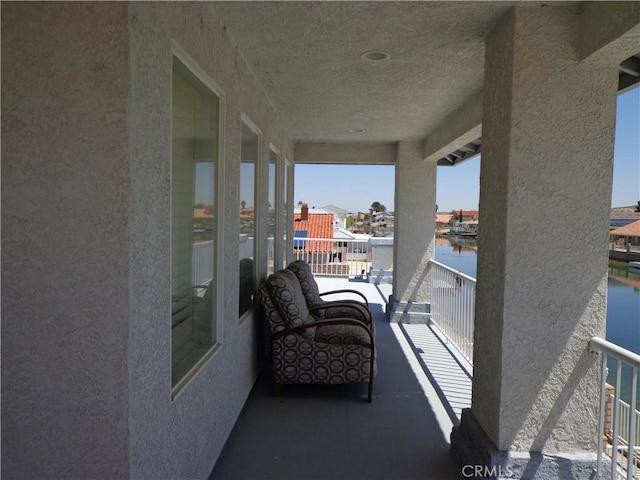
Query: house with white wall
point(340, 215)
point(118, 118)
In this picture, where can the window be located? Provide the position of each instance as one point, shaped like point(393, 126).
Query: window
point(194, 220)
point(271, 205)
point(248, 170)
point(287, 225)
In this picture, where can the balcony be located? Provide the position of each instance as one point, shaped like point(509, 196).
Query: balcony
point(331, 432)
point(423, 383)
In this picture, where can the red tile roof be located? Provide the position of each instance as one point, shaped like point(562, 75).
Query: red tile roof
point(466, 213)
point(443, 217)
point(319, 225)
point(206, 212)
point(629, 230)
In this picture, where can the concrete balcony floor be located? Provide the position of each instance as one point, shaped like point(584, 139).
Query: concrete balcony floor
point(331, 432)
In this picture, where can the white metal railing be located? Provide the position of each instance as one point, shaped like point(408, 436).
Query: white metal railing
point(623, 424)
point(624, 248)
point(453, 296)
point(334, 257)
point(202, 263)
point(623, 429)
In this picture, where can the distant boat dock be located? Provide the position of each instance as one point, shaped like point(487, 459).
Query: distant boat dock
point(624, 253)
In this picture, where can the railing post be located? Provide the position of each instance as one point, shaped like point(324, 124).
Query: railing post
point(631, 457)
point(608, 406)
point(601, 427)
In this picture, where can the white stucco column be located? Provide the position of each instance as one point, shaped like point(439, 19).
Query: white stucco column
point(545, 190)
point(415, 206)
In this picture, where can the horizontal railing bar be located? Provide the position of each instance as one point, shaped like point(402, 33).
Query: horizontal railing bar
point(319, 239)
point(455, 272)
point(625, 448)
point(600, 345)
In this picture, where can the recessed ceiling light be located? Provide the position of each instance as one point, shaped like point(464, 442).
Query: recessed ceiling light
point(375, 56)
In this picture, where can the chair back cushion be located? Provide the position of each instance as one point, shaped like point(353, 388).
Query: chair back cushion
point(308, 284)
point(276, 322)
point(286, 298)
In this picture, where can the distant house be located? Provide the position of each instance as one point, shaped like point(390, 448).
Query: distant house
point(382, 217)
point(621, 216)
point(463, 222)
point(203, 222)
point(203, 213)
point(346, 234)
point(327, 247)
point(627, 235)
point(443, 220)
point(312, 223)
point(247, 220)
point(340, 215)
point(463, 216)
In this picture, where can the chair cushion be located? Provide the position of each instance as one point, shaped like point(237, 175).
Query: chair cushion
point(284, 289)
point(342, 335)
point(308, 284)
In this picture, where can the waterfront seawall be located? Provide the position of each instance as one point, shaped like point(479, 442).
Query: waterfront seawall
point(622, 256)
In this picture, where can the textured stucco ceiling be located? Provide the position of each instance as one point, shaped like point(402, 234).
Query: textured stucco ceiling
point(307, 57)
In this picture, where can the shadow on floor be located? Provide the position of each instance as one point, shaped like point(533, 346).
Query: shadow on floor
point(331, 432)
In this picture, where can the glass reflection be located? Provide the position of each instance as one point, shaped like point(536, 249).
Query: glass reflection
point(193, 219)
point(248, 163)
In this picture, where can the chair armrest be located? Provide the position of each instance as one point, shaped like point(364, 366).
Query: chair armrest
point(352, 304)
point(320, 323)
point(356, 292)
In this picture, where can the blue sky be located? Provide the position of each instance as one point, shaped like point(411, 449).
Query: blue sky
point(356, 187)
point(352, 187)
point(626, 163)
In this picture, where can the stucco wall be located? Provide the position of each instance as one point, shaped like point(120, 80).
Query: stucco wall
point(86, 198)
point(415, 200)
point(182, 438)
point(461, 127)
point(545, 195)
point(65, 240)
point(609, 29)
point(351, 153)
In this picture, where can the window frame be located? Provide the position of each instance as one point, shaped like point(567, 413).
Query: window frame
point(218, 314)
point(257, 241)
point(278, 241)
point(288, 174)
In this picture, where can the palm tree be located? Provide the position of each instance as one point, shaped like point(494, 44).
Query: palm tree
point(243, 204)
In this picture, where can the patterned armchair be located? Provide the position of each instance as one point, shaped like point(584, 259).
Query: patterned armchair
point(358, 310)
point(305, 349)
